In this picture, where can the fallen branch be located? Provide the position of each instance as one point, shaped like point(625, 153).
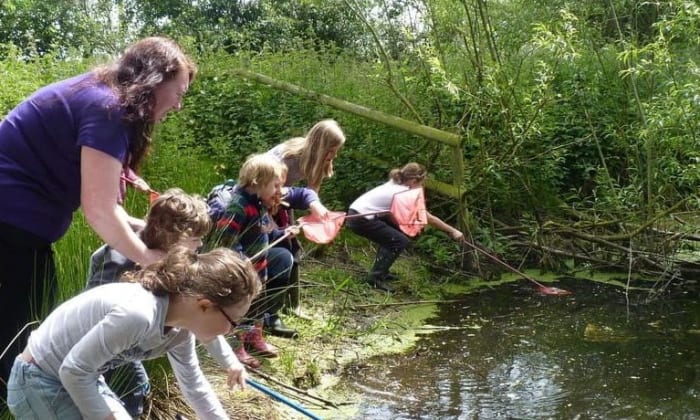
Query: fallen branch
point(412, 302)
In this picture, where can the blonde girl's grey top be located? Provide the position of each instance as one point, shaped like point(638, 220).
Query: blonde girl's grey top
point(294, 174)
point(107, 326)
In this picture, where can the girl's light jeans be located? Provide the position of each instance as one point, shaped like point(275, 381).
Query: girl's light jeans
point(34, 395)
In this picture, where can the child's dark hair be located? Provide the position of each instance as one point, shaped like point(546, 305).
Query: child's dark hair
point(409, 171)
point(174, 216)
point(219, 275)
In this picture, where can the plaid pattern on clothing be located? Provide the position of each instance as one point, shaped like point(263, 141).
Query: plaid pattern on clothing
point(106, 266)
point(246, 227)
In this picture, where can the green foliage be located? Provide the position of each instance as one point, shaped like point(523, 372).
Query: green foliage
point(235, 26)
point(21, 77)
point(440, 250)
point(543, 100)
point(62, 27)
point(585, 106)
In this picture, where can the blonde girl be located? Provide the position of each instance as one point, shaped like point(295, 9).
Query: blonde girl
point(246, 226)
point(310, 158)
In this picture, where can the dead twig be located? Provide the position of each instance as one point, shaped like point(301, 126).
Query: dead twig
point(412, 302)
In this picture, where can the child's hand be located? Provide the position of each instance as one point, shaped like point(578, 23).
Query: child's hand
point(292, 230)
point(457, 235)
point(319, 210)
point(237, 376)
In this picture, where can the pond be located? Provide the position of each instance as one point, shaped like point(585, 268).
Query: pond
point(510, 353)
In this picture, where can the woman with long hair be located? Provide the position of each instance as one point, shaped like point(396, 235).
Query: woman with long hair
point(64, 148)
point(308, 159)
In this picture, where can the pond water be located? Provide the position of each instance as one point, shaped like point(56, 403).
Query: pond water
point(510, 353)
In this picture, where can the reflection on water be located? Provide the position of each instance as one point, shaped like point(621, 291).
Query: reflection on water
point(520, 355)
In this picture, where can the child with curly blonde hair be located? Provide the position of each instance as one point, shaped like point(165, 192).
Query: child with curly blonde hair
point(244, 224)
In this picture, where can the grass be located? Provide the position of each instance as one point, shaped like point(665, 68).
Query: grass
point(349, 323)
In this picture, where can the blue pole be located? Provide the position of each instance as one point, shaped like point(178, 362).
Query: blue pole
point(281, 398)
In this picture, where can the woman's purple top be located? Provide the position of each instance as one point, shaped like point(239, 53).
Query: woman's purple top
point(40, 144)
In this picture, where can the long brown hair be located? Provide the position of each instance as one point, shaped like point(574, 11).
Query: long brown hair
point(134, 77)
point(220, 275)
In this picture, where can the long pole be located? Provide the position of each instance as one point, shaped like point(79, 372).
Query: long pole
point(547, 290)
point(270, 245)
point(281, 398)
point(503, 263)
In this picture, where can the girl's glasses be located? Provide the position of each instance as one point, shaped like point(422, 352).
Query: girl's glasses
point(228, 318)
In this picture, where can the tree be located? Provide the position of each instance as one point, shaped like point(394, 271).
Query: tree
point(64, 27)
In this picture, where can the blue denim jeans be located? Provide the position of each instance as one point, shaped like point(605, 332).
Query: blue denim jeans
point(35, 395)
point(279, 267)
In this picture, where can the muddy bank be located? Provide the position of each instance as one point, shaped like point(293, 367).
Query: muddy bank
point(346, 324)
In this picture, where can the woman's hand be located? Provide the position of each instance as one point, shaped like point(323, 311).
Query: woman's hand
point(456, 235)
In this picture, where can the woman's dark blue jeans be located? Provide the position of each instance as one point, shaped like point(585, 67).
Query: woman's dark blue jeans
point(383, 232)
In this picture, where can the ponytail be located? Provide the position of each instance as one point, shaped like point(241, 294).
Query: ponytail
point(220, 275)
point(409, 171)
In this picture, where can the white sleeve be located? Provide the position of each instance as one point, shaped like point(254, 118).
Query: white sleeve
point(79, 370)
point(222, 352)
point(195, 387)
